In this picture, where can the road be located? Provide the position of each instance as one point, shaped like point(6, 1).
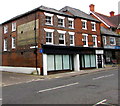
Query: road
point(94, 88)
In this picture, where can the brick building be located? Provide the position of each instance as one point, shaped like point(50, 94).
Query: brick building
point(52, 40)
point(110, 33)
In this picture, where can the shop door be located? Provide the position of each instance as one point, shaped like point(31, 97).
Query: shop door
point(99, 59)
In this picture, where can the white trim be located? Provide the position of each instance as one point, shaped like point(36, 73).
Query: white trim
point(76, 62)
point(44, 64)
point(5, 44)
point(95, 40)
point(52, 40)
point(13, 26)
point(71, 33)
point(48, 14)
point(49, 30)
point(86, 40)
point(61, 17)
point(71, 19)
point(5, 29)
point(85, 24)
point(60, 31)
point(94, 26)
point(100, 19)
point(13, 42)
point(64, 40)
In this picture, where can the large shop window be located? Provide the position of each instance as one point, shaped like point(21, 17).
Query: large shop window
point(59, 62)
point(88, 61)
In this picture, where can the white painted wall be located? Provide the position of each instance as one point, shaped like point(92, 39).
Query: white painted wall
point(44, 64)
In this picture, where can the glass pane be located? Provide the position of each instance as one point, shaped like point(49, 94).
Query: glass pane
point(93, 59)
point(87, 61)
point(58, 62)
point(50, 62)
point(82, 58)
point(66, 62)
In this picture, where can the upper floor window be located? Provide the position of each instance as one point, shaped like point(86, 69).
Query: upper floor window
point(60, 21)
point(94, 40)
point(85, 40)
point(48, 19)
point(5, 29)
point(71, 34)
point(84, 24)
point(5, 45)
point(13, 42)
point(104, 40)
point(93, 24)
point(112, 41)
point(49, 36)
point(14, 26)
point(61, 37)
point(70, 23)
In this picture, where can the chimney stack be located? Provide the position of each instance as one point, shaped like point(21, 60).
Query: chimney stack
point(112, 13)
point(91, 7)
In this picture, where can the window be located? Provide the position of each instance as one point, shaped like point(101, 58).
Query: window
point(14, 26)
point(70, 23)
point(5, 29)
point(13, 42)
point(5, 44)
point(112, 41)
point(104, 40)
point(93, 24)
point(85, 40)
point(49, 36)
point(94, 40)
point(48, 19)
point(71, 34)
point(61, 39)
point(60, 21)
point(84, 24)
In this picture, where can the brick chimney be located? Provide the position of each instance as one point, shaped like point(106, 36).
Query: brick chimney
point(91, 7)
point(112, 13)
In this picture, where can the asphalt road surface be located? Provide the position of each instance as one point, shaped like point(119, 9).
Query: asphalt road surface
point(94, 88)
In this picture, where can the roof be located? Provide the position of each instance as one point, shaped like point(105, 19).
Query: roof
point(41, 8)
point(110, 21)
point(78, 13)
point(108, 32)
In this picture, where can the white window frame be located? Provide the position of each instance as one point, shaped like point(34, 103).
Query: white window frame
point(51, 31)
point(62, 18)
point(13, 26)
point(13, 42)
point(5, 45)
point(72, 33)
point(5, 29)
point(62, 32)
point(49, 15)
point(71, 19)
point(93, 23)
point(85, 24)
point(86, 40)
point(114, 41)
point(95, 36)
point(104, 39)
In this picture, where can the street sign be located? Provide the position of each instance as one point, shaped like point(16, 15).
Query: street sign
point(41, 51)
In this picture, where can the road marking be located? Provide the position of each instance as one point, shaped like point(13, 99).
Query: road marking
point(103, 77)
point(101, 102)
point(63, 86)
point(0, 99)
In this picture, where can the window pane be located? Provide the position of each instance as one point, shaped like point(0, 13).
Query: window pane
point(66, 61)
point(87, 61)
point(71, 62)
point(93, 60)
point(82, 58)
point(50, 62)
point(58, 62)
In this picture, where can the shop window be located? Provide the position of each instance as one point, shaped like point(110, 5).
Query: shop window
point(66, 62)
point(50, 62)
point(58, 62)
point(93, 60)
point(87, 61)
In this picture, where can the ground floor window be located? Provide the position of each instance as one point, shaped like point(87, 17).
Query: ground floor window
point(88, 61)
point(59, 62)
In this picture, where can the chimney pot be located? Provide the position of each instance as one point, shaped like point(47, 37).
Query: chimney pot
point(91, 7)
point(112, 13)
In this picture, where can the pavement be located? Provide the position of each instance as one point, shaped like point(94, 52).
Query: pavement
point(9, 78)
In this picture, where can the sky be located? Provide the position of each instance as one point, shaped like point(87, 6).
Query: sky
point(12, 8)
